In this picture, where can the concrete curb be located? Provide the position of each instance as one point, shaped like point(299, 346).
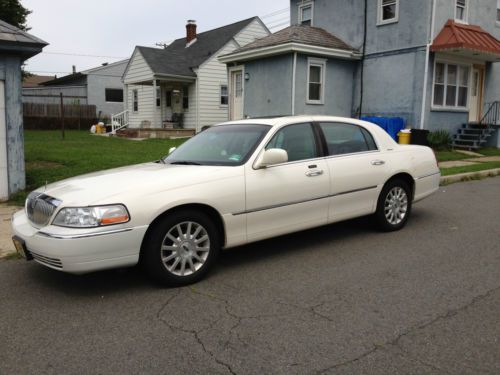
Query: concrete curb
point(445, 180)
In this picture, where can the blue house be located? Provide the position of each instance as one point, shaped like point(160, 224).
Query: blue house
point(432, 63)
point(15, 47)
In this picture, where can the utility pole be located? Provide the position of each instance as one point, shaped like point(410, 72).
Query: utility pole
point(62, 115)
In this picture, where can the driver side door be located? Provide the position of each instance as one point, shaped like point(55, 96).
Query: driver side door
point(291, 196)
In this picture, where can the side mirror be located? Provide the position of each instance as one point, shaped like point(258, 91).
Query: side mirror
point(271, 157)
point(171, 149)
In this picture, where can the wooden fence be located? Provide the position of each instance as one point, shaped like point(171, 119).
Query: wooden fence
point(49, 116)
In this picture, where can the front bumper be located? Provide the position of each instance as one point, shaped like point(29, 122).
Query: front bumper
point(80, 250)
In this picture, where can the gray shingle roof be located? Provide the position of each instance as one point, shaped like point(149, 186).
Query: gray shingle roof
point(9, 33)
point(176, 59)
point(302, 34)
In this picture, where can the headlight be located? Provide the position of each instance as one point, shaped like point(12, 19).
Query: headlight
point(88, 217)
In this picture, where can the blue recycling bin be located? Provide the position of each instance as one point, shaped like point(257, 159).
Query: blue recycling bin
point(392, 125)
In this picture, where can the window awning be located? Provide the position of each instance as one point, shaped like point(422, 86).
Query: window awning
point(467, 41)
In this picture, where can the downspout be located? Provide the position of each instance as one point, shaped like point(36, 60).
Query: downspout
point(426, 69)
point(294, 70)
point(361, 80)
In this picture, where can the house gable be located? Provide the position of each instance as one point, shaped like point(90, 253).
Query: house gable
point(137, 70)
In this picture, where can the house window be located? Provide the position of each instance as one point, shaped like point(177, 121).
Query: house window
point(135, 100)
point(306, 14)
point(461, 10)
point(388, 11)
point(185, 97)
point(114, 95)
point(316, 81)
point(451, 85)
point(158, 97)
point(498, 10)
point(224, 97)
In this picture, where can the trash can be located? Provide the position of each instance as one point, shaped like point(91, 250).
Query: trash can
point(419, 137)
point(404, 137)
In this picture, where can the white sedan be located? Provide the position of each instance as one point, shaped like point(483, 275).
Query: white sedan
point(235, 183)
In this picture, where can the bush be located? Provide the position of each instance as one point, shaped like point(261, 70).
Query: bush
point(439, 140)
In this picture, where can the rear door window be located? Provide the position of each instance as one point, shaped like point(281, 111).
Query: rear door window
point(346, 138)
point(297, 140)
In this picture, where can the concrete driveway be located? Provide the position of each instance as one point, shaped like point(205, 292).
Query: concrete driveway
point(343, 299)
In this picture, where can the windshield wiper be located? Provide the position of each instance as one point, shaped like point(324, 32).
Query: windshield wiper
point(185, 163)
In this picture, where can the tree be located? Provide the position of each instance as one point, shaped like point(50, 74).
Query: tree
point(11, 11)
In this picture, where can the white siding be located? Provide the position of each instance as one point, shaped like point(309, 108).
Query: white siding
point(138, 70)
point(253, 31)
point(147, 106)
point(211, 75)
point(190, 113)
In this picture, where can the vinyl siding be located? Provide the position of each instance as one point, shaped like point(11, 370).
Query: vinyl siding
point(147, 106)
point(138, 70)
point(190, 113)
point(212, 74)
point(253, 31)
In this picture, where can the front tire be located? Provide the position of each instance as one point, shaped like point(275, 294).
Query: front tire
point(393, 206)
point(181, 248)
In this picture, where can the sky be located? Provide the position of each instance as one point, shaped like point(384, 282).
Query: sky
point(87, 33)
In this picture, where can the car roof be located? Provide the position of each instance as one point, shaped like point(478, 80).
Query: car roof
point(381, 135)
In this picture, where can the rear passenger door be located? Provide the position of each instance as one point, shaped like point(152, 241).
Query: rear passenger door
point(357, 170)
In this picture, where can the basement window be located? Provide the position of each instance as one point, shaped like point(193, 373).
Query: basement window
point(388, 11)
point(451, 86)
point(306, 14)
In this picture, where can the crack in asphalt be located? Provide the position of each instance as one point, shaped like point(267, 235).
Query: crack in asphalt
point(194, 333)
point(394, 341)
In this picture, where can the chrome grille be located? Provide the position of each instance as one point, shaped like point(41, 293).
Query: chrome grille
point(40, 207)
point(51, 262)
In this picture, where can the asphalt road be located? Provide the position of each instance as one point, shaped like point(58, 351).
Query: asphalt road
point(342, 299)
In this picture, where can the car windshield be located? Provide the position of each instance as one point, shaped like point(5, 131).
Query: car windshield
point(229, 145)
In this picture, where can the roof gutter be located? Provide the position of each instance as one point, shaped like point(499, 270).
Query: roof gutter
point(426, 69)
point(290, 47)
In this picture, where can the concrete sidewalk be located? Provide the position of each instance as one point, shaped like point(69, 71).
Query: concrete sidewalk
point(6, 245)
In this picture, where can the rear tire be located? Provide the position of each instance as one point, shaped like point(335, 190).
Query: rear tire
point(393, 205)
point(181, 248)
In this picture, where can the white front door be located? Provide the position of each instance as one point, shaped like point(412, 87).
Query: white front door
point(236, 94)
point(475, 95)
point(4, 181)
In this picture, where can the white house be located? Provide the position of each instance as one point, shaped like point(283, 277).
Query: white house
point(184, 84)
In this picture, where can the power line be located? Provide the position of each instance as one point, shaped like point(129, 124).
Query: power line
point(275, 12)
point(279, 25)
point(83, 55)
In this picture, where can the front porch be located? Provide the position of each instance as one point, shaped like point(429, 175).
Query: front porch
point(158, 103)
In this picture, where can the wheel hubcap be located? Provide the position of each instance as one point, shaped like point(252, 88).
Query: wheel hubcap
point(185, 248)
point(396, 205)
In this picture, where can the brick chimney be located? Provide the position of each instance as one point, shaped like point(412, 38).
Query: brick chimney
point(190, 31)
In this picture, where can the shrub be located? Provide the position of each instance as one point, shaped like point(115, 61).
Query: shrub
point(439, 140)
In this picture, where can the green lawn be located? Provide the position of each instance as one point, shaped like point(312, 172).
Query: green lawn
point(470, 168)
point(450, 155)
point(49, 158)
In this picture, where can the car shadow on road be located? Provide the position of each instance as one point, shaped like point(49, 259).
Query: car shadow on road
point(134, 279)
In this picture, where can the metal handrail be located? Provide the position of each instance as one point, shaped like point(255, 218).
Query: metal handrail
point(119, 121)
point(492, 115)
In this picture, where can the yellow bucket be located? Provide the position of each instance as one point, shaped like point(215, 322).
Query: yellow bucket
point(404, 138)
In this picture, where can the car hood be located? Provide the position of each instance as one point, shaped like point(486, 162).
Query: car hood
point(106, 186)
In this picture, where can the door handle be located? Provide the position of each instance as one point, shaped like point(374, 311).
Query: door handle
point(318, 172)
point(378, 162)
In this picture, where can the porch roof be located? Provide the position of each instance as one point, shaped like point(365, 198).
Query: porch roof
point(467, 40)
